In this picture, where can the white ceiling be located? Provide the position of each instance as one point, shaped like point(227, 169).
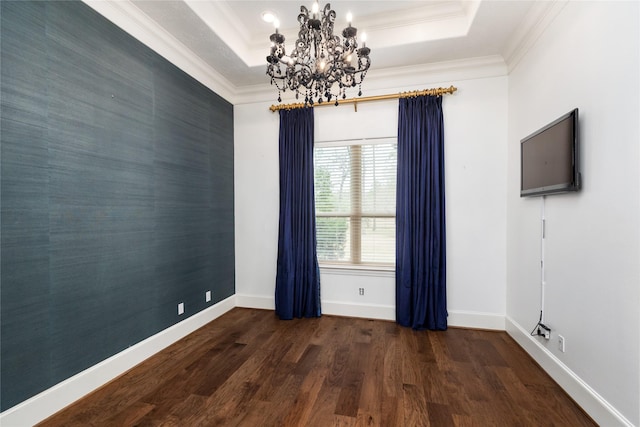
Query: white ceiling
point(229, 40)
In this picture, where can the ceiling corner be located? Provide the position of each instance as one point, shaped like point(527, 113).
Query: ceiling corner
point(541, 14)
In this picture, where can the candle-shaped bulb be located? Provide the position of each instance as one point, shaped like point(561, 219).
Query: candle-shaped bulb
point(363, 37)
point(349, 18)
point(315, 8)
point(276, 23)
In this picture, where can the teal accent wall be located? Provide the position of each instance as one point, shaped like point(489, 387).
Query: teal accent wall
point(116, 188)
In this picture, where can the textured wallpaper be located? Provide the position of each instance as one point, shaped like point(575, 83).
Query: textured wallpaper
point(116, 194)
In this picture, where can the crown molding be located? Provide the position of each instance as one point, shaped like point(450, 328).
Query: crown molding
point(468, 68)
point(411, 76)
point(541, 14)
point(132, 20)
point(439, 72)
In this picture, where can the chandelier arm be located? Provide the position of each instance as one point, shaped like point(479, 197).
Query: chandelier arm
point(320, 61)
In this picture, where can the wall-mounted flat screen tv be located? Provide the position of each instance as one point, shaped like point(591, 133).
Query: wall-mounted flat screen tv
point(549, 158)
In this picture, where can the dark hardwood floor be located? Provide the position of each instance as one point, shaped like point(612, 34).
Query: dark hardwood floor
point(247, 368)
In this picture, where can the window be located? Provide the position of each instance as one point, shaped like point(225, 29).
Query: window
point(355, 195)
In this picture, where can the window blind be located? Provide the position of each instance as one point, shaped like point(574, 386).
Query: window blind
point(355, 194)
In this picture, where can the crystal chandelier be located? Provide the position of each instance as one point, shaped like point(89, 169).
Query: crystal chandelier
point(322, 65)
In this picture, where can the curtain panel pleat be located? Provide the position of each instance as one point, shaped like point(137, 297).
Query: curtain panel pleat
point(298, 276)
point(420, 215)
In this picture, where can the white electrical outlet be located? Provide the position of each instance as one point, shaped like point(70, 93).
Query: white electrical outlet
point(207, 296)
point(561, 343)
point(181, 308)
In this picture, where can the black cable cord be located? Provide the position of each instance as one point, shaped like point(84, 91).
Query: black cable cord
point(535, 327)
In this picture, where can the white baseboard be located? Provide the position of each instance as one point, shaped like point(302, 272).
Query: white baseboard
point(595, 405)
point(52, 400)
point(252, 301)
point(366, 311)
point(465, 319)
point(476, 320)
point(336, 308)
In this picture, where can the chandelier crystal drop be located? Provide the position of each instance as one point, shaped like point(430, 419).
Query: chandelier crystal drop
point(322, 66)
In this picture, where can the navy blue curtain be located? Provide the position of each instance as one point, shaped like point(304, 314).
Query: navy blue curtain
point(421, 300)
point(298, 276)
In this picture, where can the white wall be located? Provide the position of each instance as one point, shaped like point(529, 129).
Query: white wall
point(475, 157)
point(587, 58)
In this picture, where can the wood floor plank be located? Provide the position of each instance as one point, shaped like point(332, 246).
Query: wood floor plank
point(324, 406)
point(439, 415)
point(226, 404)
point(131, 415)
point(343, 421)
point(298, 346)
point(415, 406)
point(392, 411)
point(255, 415)
point(248, 368)
point(435, 386)
point(392, 370)
point(372, 391)
point(300, 412)
point(409, 357)
point(284, 398)
point(349, 399)
point(339, 368)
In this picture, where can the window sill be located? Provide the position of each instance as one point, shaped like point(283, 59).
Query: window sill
point(357, 270)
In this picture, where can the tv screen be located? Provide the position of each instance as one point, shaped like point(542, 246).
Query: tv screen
point(549, 158)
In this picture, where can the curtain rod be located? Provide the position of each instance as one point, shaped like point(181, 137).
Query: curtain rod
point(434, 91)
